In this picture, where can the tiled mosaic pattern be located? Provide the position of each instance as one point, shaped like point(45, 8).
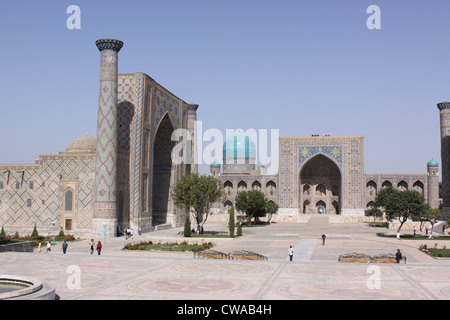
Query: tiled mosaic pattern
point(346, 152)
point(43, 184)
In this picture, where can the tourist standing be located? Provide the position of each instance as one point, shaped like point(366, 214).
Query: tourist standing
point(323, 239)
point(39, 247)
point(99, 247)
point(64, 246)
point(398, 256)
point(291, 253)
point(91, 245)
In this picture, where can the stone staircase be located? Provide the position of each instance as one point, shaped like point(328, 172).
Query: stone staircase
point(319, 220)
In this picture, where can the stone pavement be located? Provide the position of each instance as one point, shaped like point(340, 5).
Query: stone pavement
point(314, 273)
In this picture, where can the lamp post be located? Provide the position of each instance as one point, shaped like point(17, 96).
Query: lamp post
point(104, 232)
point(53, 223)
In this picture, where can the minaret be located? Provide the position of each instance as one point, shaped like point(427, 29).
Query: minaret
point(192, 127)
point(444, 110)
point(104, 220)
point(433, 184)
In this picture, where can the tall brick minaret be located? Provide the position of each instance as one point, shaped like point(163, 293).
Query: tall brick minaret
point(444, 111)
point(192, 127)
point(104, 220)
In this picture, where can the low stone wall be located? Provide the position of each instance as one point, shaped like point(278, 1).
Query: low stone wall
point(26, 246)
point(296, 218)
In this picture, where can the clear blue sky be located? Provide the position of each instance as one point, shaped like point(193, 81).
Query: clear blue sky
point(303, 67)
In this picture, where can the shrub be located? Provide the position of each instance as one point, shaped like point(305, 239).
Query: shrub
point(35, 233)
point(187, 226)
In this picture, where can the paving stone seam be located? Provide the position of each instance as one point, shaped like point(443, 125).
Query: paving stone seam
point(414, 284)
point(269, 282)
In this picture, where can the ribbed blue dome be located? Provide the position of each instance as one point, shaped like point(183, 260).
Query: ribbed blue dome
point(239, 146)
point(432, 163)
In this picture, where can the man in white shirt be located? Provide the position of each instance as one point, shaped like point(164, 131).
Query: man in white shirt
point(291, 253)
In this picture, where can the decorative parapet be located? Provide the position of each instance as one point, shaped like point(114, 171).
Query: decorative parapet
point(109, 44)
point(443, 106)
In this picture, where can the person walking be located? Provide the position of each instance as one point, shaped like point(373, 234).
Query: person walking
point(323, 239)
point(398, 256)
point(49, 246)
point(39, 247)
point(64, 246)
point(91, 245)
point(291, 253)
point(99, 247)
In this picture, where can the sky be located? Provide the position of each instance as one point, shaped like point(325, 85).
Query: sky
point(304, 67)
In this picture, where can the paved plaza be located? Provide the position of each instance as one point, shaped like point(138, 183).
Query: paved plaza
point(314, 273)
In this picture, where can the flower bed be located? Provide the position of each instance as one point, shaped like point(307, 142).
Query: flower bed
point(435, 252)
point(172, 246)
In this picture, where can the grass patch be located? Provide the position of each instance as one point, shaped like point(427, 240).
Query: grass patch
point(212, 234)
point(435, 252)
point(172, 246)
point(252, 224)
point(378, 224)
point(43, 240)
point(416, 237)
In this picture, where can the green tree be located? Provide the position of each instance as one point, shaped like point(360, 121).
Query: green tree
point(196, 194)
point(35, 233)
point(403, 205)
point(374, 212)
point(187, 227)
point(2, 234)
point(251, 202)
point(429, 215)
point(231, 223)
point(271, 209)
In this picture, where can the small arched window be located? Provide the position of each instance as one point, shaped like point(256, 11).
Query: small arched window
point(68, 200)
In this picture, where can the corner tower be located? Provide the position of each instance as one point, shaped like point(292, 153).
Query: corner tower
point(104, 220)
point(433, 184)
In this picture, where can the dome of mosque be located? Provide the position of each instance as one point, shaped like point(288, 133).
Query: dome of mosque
point(215, 164)
point(432, 163)
point(83, 144)
point(239, 146)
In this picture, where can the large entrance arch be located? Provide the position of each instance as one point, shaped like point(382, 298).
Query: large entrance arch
point(162, 171)
point(320, 186)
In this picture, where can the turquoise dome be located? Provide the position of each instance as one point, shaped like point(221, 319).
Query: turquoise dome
point(215, 164)
point(432, 163)
point(239, 146)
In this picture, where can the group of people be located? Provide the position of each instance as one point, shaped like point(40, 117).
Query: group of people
point(98, 247)
point(64, 246)
point(128, 233)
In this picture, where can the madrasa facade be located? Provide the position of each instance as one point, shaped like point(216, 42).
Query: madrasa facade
point(123, 178)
